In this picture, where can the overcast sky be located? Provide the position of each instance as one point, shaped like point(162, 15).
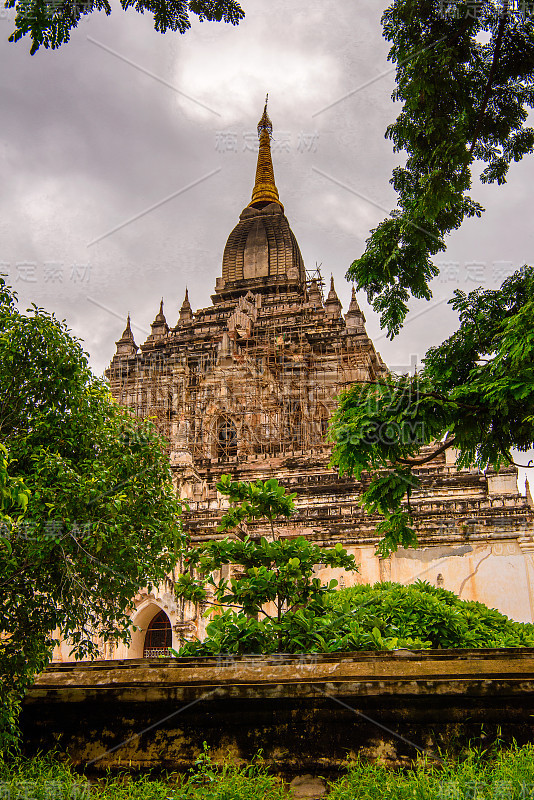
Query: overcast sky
point(126, 157)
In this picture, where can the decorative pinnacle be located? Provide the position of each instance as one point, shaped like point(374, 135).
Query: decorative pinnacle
point(354, 308)
point(186, 305)
point(265, 190)
point(186, 312)
point(126, 344)
point(265, 123)
point(160, 316)
point(127, 331)
point(332, 294)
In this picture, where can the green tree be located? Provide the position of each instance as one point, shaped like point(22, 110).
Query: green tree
point(279, 600)
point(50, 22)
point(475, 393)
point(88, 511)
point(463, 102)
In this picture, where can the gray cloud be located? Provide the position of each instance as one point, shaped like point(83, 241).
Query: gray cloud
point(88, 141)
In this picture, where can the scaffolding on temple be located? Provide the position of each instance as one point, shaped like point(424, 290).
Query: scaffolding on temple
point(268, 391)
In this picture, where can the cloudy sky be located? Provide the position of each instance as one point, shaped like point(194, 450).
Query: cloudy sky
point(126, 157)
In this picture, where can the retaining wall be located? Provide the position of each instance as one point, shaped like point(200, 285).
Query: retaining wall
point(307, 714)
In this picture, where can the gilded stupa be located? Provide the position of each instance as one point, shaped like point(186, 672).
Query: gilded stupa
point(262, 248)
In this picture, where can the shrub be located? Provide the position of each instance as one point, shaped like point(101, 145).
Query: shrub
point(437, 616)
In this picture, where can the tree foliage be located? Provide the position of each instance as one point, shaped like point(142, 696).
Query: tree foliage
point(475, 393)
point(88, 511)
point(253, 500)
point(275, 601)
point(49, 23)
point(463, 102)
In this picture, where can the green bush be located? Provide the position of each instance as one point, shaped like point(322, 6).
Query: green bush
point(436, 616)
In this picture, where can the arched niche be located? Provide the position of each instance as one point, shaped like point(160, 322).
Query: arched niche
point(322, 417)
point(142, 619)
point(226, 438)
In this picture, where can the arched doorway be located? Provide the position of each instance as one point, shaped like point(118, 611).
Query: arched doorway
point(158, 637)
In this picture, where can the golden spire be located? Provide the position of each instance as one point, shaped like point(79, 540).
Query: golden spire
point(265, 190)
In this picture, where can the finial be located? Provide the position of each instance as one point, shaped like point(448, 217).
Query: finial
point(186, 303)
point(332, 298)
point(265, 123)
point(161, 306)
point(354, 317)
point(186, 313)
point(354, 308)
point(315, 294)
point(265, 190)
point(528, 493)
point(127, 331)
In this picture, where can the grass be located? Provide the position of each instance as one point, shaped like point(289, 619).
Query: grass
point(507, 774)
point(502, 774)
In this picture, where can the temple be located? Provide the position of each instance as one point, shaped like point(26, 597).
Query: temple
point(246, 386)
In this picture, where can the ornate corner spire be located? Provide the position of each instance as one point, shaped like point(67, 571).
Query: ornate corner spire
point(528, 494)
point(354, 318)
point(354, 308)
point(265, 190)
point(314, 294)
point(332, 294)
point(159, 326)
point(332, 304)
point(127, 334)
point(186, 312)
point(126, 344)
point(160, 316)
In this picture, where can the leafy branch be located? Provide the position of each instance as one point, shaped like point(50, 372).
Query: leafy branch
point(462, 101)
point(49, 23)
